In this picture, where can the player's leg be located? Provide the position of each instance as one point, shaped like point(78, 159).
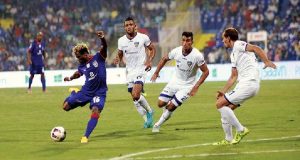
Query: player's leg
point(230, 101)
point(139, 108)
point(97, 104)
point(40, 70)
point(74, 100)
point(31, 69)
point(171, 106)
point(43, 80)
point(138, 97)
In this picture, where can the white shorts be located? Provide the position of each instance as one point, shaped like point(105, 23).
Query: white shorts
point(177, 94)
point(242, 92)
point(135, 79)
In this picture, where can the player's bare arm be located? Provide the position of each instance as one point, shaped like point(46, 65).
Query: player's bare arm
point(118, 57)
point(29, 62)
point(205, 73)
point(262, 55)
point(74, 76)
point(160, 65)
point(151, 53)
point(230, 82)
point(103, 48)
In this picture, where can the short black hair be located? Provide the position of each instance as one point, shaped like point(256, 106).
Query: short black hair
point(232, 33)
point(188, 34)
point(129, 19)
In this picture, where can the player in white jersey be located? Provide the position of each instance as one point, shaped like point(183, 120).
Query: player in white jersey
point(244, 70)
point(133, 47)
point(184, 82)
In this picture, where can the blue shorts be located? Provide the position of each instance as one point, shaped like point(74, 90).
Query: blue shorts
point(36, 69)
point(81, 99)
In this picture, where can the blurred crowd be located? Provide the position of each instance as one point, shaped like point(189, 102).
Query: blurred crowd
point(66, 22)
point(280, 18)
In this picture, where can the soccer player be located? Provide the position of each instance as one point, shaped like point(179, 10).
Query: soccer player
point(184, 82)
point(94, 89)
point(35, 59)
point(245, 70)
point(133, 46)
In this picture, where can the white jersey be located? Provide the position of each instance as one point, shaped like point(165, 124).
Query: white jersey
point(134, 52)
point(186, 66)
point(244, 61)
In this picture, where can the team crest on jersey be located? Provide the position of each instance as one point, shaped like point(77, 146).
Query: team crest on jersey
point(189, 63)
point(95, 64)
point(88, 65)
point(136, 44)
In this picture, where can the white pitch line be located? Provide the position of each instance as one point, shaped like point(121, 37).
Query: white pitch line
point(218, 154)
point(129, 156)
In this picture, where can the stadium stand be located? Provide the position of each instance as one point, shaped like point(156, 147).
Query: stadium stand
point(67, 22)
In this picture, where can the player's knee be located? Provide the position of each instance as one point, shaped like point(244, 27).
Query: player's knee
point(161, 104)
point(218, 105)
point(171, 107)
point(95, 113)
point(135, 97)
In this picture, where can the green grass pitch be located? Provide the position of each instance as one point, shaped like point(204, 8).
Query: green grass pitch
point(273, 118)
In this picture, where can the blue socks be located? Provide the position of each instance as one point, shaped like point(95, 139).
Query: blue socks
point(43, 80)
point(91, 124)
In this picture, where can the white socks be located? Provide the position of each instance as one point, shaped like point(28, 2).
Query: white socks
point(144, 103)
point(229, 115)
point(141, 110)
point(164, 117)
point(227, 129)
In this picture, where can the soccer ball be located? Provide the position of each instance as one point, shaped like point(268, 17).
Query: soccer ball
point(58, 134)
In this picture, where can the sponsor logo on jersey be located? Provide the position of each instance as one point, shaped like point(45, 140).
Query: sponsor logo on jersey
point(95, 64)
point(136, 44)
point(189, 63)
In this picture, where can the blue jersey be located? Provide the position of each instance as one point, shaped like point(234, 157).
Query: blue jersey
point(37, 49)
point(95, 75)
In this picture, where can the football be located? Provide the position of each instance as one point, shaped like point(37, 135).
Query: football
point(58, 134)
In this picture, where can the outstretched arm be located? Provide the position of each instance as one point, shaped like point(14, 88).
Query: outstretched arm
point(257, 50)
point(205, 73)
point(103, 48)
point(150, 56)
point(160, 65)
point(74, 76)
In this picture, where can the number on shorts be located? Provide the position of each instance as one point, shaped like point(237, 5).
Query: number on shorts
point(96, 99)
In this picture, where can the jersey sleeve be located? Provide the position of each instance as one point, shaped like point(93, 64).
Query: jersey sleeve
point(80, 71)
point(200, 59)
point(240, 46)
point(172, 54)
point(99, 56)
point(147, 40)
point(30, 46)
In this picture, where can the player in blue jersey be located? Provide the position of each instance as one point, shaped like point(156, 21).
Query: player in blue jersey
point(35, 59)
point(94, 89)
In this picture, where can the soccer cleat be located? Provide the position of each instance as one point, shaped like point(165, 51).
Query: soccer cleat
point(84, 140)
point(73, 89)
point(29, 91)
point(239, 136)
point(222, 143)
point(155, 129)
point(149, 122)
